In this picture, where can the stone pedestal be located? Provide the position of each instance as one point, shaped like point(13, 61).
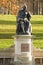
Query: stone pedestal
point(23, 49)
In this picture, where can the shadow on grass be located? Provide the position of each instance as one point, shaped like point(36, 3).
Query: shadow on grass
point(7, 36)
point(14, 22)
point(7, 22)
point(38, 35)
point(11, 35)
point(37, 22)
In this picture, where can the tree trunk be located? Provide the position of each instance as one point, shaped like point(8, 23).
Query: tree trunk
point(42, 8)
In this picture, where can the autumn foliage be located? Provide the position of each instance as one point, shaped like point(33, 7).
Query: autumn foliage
point(12, 5)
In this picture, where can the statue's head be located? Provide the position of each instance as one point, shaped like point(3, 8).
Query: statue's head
point(25, 7)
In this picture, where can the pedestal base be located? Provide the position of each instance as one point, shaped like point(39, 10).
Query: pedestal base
point(23, 49)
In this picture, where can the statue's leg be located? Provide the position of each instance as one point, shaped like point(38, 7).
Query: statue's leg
point(30, 28)
point(18, 28)
point(22, 26)
point(26, 27)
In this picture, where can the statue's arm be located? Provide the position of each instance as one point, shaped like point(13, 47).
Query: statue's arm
point(29, 16)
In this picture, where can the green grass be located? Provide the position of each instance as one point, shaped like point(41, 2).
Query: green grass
point(6, 43)
point(37, 26)
point(38, 43)
point(7, 18)
point(37, 19)
point(8, 30)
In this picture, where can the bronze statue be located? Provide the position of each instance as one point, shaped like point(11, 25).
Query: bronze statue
point(23, 22)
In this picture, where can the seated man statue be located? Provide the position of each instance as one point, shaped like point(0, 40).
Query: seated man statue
point(23, 22)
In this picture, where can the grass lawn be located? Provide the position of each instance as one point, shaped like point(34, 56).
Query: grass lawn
point(8, 28)
point(38, 43)
point(5, 43)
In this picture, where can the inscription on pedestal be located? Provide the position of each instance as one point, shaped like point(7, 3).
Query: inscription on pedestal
point(24, 47)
